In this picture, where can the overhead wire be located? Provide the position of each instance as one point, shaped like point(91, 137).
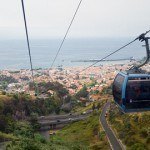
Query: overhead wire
point(63, 40)
point(28, 42)
point(67, 31)
point(114, 52)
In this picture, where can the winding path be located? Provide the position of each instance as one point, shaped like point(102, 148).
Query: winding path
point(115, 145)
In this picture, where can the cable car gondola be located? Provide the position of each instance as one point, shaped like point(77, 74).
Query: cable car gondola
point(131, 89)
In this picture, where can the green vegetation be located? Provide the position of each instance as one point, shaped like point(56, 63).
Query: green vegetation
point(86, 134)
point(56, 87)
point(133, 129)
point(21, 105)
point(7, 137)
point(22, 135)
point(107, 91)
point(93, 83)
point(82, 93)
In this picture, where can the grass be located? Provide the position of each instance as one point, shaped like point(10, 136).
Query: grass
point(133, 129)
point(7, 137)
point(85, 134)
point(81, 109)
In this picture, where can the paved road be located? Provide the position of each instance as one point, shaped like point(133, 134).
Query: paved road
point(62, 120)
point(65, 116)
point(113, 140)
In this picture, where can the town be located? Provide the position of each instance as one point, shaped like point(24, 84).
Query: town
point(72, 78)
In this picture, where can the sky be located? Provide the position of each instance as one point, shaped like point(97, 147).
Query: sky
point(95, 18)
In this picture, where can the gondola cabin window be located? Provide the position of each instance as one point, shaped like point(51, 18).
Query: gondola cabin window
point(138, 90)
point(117, 88)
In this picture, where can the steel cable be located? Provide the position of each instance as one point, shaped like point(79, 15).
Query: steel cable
point(61, 44)
point(114, 51)
point(28, 42)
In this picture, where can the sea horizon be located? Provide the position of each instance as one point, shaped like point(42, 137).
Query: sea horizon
point(14, 52)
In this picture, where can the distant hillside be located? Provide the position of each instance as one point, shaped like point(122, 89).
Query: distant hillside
point(23, 104)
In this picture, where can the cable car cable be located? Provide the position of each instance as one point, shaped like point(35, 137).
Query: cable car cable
point(107, 56)
point(114, 51)
point(27, 37)
point(61, 44)
point(28, 42)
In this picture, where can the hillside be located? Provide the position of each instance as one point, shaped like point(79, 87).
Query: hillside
point(133, 129)
point(86, 134)
point(21, 105)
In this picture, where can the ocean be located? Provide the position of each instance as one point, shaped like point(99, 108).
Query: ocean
point(14, 53)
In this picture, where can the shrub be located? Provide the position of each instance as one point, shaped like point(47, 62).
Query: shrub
point(148, 140)
point(24, 144)
point(138, 146)
point(129, 140)
point(144, 133)
point(40, 138)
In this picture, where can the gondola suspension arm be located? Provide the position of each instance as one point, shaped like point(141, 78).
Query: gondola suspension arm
point(146, 39)
point(143, 38)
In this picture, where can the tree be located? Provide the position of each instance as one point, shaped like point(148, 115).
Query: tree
point(83, 92)
point(3, 123)
point(23, 129)
point(57, 110)
point(98, 106)
point(24, 144)
point(34, 123)
point(93, 106)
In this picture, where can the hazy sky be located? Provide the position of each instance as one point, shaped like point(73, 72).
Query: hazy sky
point(95, 18)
